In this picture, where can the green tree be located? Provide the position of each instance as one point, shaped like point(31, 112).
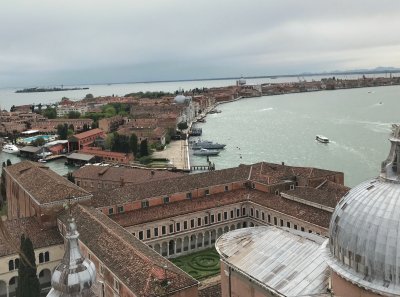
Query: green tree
point(71, 127)
point(182, 126)
point(13, 108)
point(50, 113)
point(70, 132)
point(38, 141)
point(85, 127)
point(133, 144)
point(28, 282)
point(120, 143)
point(9, 162)
point(74, 115)
point(62, 131)
point(89, 96)
point(109, 111)
point(144, 148)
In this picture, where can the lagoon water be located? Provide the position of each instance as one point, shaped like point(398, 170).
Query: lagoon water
point(283, 129)
point(276, 128)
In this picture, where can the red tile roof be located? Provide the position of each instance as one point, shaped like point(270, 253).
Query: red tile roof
point(88, 133)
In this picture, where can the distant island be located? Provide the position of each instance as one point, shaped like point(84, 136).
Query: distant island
point(40, 90)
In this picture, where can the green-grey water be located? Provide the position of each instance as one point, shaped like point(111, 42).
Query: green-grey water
point(283, 129)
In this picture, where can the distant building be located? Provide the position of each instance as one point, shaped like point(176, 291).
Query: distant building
point(107, 156)
point(84, 139)
point(111, 124)
point(64, 110)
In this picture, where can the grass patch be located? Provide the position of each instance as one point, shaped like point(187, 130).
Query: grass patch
point(199, 265)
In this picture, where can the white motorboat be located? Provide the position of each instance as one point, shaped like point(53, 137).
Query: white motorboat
point(205, 152)
point(10, 148)
point(322, 139)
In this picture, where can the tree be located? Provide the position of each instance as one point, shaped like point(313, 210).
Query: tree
point(62, 131)
point(28, 282)
point(89, 96)
point(9, 162)
point(144, 148)
point(38, 141)
point(74, 115)
point(85, 127)
point(71, 127)
point(13, 108)
point(50, 113)
point(133, 144)
point(182, 126)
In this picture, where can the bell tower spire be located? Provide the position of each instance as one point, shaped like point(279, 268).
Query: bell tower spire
point(391, 166)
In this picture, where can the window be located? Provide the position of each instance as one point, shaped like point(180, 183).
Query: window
point(205, 220)
point(141, 235)
point(163, 230)
point(16, 263)
point(148, 233)
point(171, 228)
point(156, 231)
point(189, 195)
point(10, 265)
point(120, 209)
point(232, 214)
point(145, 203)
point(178, 227)
point(207, 191)
point(269, 219)
point(277, 192)
point(263, 216)
point(212, 219)
point(226, 188)
point(302, 229)
point(292, 187)
point(166, 200)
point(295, 227)
point(281, 223)
point(238, 212)
point(225, 215)
point(199, 222)
point(288, 224)
point(257, 214)
point(116, 285)
point(219, 217)
point(192, 223)
point(185, 225)
point(275, 221)
point(110, 211)
point(251, 212)
point(41, 258)
point(243, 211)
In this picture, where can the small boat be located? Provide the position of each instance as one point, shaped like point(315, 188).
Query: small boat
point(206, 152)
point(42, 161)
point(10, 148)
point(207, 145)
point(322, 139)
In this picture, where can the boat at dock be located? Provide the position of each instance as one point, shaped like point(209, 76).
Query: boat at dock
point(207, 145)
point(10, 148)
point(322, 139)
point(214, 111)
point(206, 152)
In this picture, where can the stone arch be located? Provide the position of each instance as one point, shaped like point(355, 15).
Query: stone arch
point(186, 244)
point(45, 278)
point(238, 226)
point(200, 240)
point(219, 232)
point(206, 238)
point(232, 227)
point(179, 245)
point(213, 236)
point(13, 283)
point(164, 249)
point(157, 248)
point(226, 229)
point(3, 289)
point(251, 224)
point(244, 224)
point(193, 242)
point(171, 247)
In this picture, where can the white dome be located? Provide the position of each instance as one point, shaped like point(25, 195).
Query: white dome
point(180, 99)
point(364, 233)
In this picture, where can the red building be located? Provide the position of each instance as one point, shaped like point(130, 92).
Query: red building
point(84, 139)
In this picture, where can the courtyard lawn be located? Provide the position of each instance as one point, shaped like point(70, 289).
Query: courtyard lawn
point(199, 265)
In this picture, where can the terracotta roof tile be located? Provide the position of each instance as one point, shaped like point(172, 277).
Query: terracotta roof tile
point(12, 230)
point(43, 184)
point(122, 253)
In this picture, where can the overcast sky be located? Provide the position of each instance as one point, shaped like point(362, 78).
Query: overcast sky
point(49, 42)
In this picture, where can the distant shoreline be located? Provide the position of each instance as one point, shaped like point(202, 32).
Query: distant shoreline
point(42, 90)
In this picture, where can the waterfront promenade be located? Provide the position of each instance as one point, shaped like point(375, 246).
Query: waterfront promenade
point(178, 154)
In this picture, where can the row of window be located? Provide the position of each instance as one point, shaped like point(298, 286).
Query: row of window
point(192, 223)
point(13, 264)
point(255, 213)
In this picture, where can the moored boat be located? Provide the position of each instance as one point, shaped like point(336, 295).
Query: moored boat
point(207, 145)
point(10, 148)
point(205, 152)
point(322, 139)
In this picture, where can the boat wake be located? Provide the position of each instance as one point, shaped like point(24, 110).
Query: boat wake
point(266, 109)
